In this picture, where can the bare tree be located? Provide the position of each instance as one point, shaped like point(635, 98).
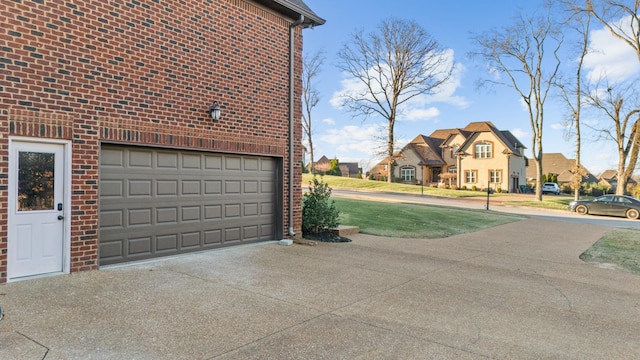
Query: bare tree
point(393, 65)
point(621, 104)
point(311, 65)
point(613, 14)
point(518, 58)
point(622, 20)
point(572, 95)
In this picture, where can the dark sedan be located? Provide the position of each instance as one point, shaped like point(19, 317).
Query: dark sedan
point(612, 205)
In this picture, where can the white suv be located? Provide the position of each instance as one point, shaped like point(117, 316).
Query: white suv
point(551, 187)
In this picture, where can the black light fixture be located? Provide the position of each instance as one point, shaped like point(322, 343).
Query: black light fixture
point(214, 111)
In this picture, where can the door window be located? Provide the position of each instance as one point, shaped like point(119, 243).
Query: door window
point(35, 181)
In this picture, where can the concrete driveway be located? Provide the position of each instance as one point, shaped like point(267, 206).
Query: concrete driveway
point(516, 291)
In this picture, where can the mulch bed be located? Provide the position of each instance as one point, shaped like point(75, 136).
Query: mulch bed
point(326, 237)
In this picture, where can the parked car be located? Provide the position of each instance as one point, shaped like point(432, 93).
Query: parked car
point(612, 205)
point(551, 187)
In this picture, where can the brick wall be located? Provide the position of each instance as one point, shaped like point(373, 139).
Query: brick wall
point(143, 72)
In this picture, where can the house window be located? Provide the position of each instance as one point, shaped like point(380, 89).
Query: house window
point(495, 176)
point(408, 174)
point(483, 150)
point(471, 176)
point(454, 150)
point(453, 170)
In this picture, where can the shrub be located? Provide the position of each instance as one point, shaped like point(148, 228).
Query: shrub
point(319, 213)
point(464, 187)
point(474, 188)
point(499, 190)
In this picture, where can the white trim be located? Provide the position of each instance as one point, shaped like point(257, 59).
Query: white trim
point(66, 240)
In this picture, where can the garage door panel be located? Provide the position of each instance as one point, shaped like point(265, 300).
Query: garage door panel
point(140, 158)
point(167, 215)
point(190, 240)
point(191, 188)
point(213, 162)
point(213, 187)
point(139, 217)
point(251, 164)
point(167, 160)
point(232, 187)
point(139, 188)
point(212, 237)
point(167, 243)
point(160, 202)
point(167, 188)
point(267, 231)
point(140, 246)
point(232, 163)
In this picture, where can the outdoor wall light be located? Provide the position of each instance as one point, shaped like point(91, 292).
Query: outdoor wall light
point(214, 111)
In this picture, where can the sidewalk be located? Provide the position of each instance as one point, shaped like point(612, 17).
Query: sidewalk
point(517, 291)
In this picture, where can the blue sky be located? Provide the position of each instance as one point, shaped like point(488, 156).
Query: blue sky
point(336, 133)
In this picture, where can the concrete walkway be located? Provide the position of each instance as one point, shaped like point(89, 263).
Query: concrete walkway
point(516, 291)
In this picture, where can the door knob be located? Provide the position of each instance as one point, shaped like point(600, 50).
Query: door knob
point(60, 217)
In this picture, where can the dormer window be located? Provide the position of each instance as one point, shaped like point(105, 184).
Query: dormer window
point(483, 150)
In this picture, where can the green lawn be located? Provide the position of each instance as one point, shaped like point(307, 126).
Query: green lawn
point(339, 182)
point(415, 221)
point(548, 202)
point(619, 249)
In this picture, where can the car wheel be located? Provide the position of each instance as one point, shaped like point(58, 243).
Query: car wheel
point(581, 209)
point(633, 214)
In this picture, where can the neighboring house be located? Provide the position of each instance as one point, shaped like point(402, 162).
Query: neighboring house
point(323, 164)
point(558, 164)
point(609, 178)
point(477, 155)
point(108, 149)
point(350, 169)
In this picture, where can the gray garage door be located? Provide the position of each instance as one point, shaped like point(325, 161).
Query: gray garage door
point(161, 202)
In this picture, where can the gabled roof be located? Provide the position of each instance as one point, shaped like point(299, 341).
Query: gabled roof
point(293, 9)
point(608, 175)
point(323, 159)
point(511, 143)
point(445, 133)
point(611, 175)
point(427, 149)
point(557, 163)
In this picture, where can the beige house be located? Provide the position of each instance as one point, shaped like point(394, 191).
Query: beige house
point(558, 164)
point(609, 178)
point(478, 155)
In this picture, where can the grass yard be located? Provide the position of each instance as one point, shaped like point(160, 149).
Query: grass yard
point(415, 221)
point(548, 202)
point(339, 182)
point(619, 249)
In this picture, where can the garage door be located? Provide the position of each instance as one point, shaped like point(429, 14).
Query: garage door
point(161, 202)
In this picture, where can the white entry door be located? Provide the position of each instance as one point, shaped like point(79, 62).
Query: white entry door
point(36, 222)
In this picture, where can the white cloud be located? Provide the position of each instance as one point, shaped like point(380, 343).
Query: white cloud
point(520, 134)
point(610, 57)
point(420, 114)
point(354, 143)
point(559, 126)
point(329, 121)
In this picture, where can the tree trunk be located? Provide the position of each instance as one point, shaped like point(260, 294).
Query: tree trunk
point(390, 142)
point(311, 163)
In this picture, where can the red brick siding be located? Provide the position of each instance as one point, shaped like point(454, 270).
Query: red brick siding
point(143, 72)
